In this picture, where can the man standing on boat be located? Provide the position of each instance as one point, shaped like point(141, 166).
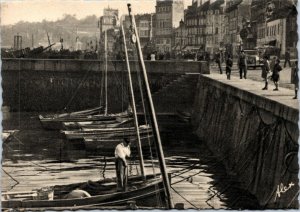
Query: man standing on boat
point(121, 152)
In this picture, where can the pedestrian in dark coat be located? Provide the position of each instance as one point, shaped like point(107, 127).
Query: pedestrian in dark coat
point(265, 69)
point(218, 61)
point(275, 76)
point(228, 66)
point(295, 78)
point(272, 63)
point(287, 58)
point(242, 63)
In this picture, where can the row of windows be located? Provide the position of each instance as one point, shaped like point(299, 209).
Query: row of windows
point(196, 41)
point(179, 34)
point(163, 31)
point(144, 33)
point(202, 21)
point(210, 30)
point(163, 41)
point(212, 40)
point(144, 24)
point(164, 24)
point(163, 9)
point(232, 25)
point(209, 12)
point(179, 41)
point(269, 31)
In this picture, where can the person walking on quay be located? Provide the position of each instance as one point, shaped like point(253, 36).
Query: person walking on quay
point(242, 63)
point(287, 58)
point(275, 76)
point(218, 61)
point(272, 63)
point(295, 78)
point(265, 69)
point(228, 66)
point(122, 151)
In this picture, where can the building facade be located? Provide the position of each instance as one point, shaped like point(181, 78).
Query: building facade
point(277, 26)
point(109, 19)
point(214, 26)
point(168, 15)
point(238, 13)
point(196, 19)
point(145, 24)
point(108, 25)
point(180, 38)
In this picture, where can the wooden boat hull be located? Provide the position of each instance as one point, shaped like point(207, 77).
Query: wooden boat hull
point(144, 193)
point(109, 144)
point(8, 134)
point(106, 133)
point(56, 123)
point(98, 124)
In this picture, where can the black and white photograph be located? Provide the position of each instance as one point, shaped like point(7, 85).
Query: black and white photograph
point(149, 105)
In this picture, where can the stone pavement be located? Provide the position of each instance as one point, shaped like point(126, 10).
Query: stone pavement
point(255, 74)
point(283, 96)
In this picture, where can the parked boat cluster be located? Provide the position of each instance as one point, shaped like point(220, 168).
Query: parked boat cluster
point(101, 130)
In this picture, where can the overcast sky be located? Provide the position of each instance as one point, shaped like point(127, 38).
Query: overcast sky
point(13, 11)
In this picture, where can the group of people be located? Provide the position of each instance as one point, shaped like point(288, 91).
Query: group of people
point(270, 69)
point(242, 64)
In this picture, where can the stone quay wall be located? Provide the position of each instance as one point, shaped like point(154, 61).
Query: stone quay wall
point(52, 85)
point(255, 137)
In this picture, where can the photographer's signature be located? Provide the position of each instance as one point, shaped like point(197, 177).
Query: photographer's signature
point(281, 189)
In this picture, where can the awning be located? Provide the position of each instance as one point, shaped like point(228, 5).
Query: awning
point(192, 47)
point(271, 43)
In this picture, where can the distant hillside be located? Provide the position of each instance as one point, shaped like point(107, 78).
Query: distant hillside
point(68, 28)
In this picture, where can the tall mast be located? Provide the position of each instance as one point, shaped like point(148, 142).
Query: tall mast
point(156, 133)
point(134, 107)
point(105, 86)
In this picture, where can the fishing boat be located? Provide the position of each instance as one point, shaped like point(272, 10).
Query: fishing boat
point(55, 121)
point(96, 193)
point(118, 122)
point(94, 143)
point(7, 135)
point(145, 190)
point(106, 132)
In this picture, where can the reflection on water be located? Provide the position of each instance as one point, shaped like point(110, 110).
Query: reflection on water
point(36, 158)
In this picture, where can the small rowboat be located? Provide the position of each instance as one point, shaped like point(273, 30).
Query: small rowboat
point(98, 124)
point(129, 132)
point(56, 123)
point(93, 194)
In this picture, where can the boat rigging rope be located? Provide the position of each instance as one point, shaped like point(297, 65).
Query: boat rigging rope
point(17, 182)
point(101, 87)
point(102, 171)
point(144, 108)
point(138, 70)
point(185, 198)
point(79, 86)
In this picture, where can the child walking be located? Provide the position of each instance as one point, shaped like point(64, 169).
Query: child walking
point(275, 76)
point(295, 78)
point(228, 66)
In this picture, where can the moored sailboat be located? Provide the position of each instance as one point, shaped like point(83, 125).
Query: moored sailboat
point(55, 121)
point(102, 194)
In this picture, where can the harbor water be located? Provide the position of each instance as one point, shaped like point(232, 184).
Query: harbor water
point(34, 158)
